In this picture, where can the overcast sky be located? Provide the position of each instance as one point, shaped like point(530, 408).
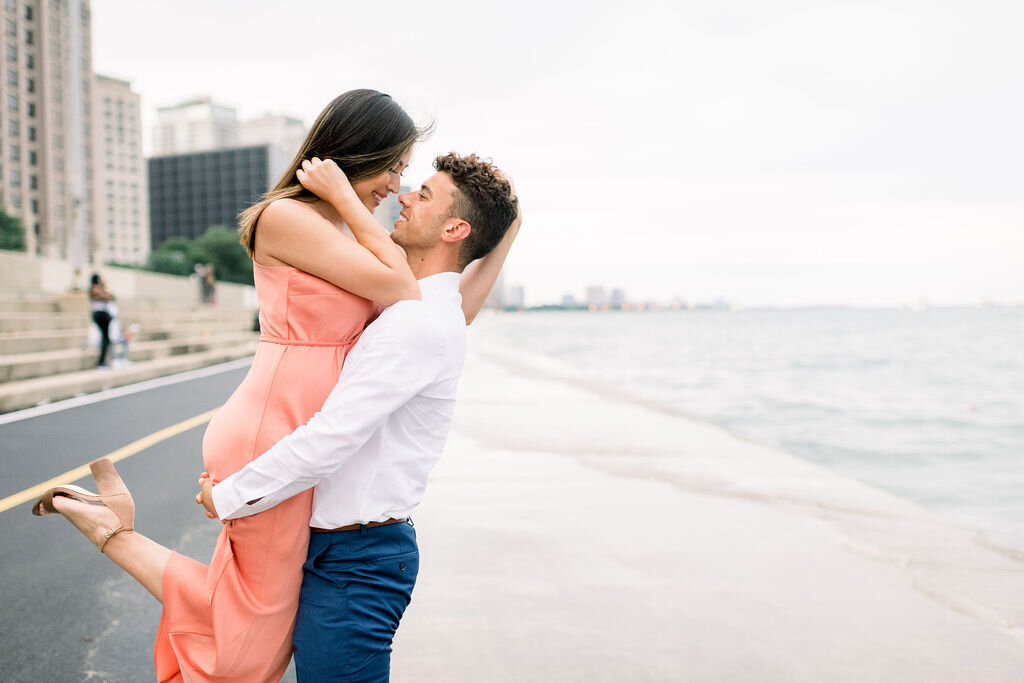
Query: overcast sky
point(768, 152)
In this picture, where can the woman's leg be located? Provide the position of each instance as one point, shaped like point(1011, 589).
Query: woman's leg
point(102, 320)
point(141, 557)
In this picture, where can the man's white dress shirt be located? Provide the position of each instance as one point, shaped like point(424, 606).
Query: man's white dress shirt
point(382, 429)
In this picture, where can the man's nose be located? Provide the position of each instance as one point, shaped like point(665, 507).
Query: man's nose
point(403, 199)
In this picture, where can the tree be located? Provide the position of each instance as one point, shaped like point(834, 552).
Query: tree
point(219, 245)
point(12, 233)
point(172, 257)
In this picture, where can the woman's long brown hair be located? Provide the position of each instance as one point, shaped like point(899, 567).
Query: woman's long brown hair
point(364, 131)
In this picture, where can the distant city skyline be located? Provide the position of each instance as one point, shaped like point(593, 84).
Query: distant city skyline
point(788, 153)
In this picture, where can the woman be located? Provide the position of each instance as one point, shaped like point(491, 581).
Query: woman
point(209, 284)
point(99, 301)
point(316, 284)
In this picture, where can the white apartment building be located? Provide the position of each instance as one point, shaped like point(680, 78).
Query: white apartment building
point(121, 192)
point(284, 132)
point(515, 297)
point(596, 296)
point(196, 125)
point(45, 124)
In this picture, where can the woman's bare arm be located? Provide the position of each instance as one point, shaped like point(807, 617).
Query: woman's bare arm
point(327, 181)
point(294, 233)
point(100, 293)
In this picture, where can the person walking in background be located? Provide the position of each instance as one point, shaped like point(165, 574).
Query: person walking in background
point(100, 300)
point(208, 284)
point(199, 273)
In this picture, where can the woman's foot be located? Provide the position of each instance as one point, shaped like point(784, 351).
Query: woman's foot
point(99, 516)
point(98, 522)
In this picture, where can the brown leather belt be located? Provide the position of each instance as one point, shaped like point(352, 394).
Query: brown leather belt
point(355, 527)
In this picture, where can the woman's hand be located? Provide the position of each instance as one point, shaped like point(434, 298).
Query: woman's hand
point(326, 180)
point(205, 495)
point(375, 268)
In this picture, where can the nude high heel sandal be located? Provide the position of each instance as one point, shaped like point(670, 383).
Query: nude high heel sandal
point(112, 493)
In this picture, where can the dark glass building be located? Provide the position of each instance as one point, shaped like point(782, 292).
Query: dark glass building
point(189, 193)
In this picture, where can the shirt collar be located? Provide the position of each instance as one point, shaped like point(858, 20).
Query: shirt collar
point(439, 285)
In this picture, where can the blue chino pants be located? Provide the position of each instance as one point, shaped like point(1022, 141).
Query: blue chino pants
point(355, 588)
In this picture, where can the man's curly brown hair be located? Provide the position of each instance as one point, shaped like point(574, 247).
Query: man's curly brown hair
point(483, 198)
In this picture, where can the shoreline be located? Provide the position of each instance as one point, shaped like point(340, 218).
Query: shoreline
point(942, 439)
point(571, 535)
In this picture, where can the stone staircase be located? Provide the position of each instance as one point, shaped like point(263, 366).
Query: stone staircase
point(45, 356)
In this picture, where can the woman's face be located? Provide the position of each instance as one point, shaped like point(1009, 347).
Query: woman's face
point(373, 191)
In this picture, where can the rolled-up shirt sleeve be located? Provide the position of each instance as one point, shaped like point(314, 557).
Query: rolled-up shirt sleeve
point(395, 359)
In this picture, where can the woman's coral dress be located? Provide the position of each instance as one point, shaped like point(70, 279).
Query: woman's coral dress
point(233, 620)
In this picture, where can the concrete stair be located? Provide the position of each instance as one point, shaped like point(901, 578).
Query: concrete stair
point(41, 340)
point(29, 322)
point(44, 354)
point(28, 393)
point(43, 363)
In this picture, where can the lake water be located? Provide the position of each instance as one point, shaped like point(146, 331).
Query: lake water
point(928, 405)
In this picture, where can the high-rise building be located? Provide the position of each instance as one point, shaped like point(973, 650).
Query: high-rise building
point(46, 125)
point(515, 297)
point(189, 193)
point(195, 125)
point(286, 132)
point(496, 297)
point(596, 296)
point(121, 190)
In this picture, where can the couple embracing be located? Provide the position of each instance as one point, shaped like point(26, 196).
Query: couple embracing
point(318, 459)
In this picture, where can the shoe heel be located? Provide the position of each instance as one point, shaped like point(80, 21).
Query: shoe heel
point(108, 481)
point(115, 495)
point(44, 505)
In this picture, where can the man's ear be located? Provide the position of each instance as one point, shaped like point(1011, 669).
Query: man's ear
point(456, 231)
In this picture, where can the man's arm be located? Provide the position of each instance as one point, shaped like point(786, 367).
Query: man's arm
point(479, 277)
point(393, 361)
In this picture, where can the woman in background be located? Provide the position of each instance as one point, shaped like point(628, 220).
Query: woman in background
point(99, 301)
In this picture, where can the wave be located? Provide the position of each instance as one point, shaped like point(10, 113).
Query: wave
point(896, 399)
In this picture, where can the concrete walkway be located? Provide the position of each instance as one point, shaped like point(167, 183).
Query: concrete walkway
point(565, 536)
point(569, 536)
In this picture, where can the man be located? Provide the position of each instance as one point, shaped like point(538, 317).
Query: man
point(369, 450)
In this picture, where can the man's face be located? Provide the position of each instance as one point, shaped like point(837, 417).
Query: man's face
point(424, 212)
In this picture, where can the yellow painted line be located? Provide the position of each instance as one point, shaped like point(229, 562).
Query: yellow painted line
point(120, 454)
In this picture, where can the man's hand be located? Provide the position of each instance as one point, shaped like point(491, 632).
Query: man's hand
point(205, 495)
point(326, 180)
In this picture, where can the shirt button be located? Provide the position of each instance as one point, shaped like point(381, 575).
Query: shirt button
point(401, 566)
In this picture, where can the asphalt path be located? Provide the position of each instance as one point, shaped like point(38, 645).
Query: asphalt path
point(68, 613)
